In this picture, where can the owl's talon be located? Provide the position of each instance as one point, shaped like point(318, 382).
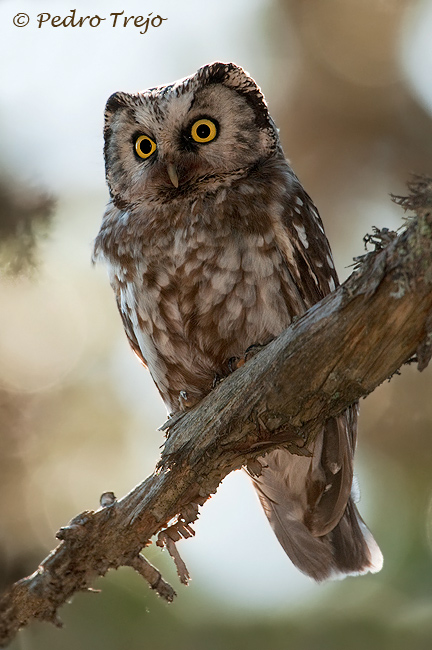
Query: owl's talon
point(252, 350)
point(184, 400)
point(237, 362)
point(217, 379)
point(234, 363)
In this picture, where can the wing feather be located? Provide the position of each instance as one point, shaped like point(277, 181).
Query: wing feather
point(308, 500)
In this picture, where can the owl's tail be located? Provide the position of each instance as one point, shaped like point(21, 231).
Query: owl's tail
point(286, 489)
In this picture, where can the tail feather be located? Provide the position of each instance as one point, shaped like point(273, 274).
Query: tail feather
point(312, 555)
point(355, 549)
point(317, 522)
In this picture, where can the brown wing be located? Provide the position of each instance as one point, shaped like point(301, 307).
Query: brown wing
point(313, 262)
point(307, 500)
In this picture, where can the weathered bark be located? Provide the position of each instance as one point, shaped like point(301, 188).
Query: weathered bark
point(339, 351)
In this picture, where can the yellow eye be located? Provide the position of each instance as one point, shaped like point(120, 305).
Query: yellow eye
point(144, 146)
point(204, 131)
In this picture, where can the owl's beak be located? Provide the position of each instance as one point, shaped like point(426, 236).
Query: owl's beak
point(172, 173)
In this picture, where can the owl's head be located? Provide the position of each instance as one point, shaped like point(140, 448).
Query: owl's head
point(198, 132)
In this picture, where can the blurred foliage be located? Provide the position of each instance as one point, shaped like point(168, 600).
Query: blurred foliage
point(127, 616)
point(25, 215)
point(350, 122)
point(13, 410)
point(75, 421)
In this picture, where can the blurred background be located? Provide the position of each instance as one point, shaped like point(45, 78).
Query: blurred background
point(349, 84)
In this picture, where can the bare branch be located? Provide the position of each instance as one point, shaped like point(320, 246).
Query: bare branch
point(153, 577)
point(339, 351)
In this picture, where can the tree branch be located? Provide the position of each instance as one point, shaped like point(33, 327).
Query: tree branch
point(339, 351)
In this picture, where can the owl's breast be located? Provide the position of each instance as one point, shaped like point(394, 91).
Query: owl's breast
point(202, 296)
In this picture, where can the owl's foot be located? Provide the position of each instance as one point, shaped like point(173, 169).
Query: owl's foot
point(253, 350)
point(237, 362)
point(217, 379)
point(186, 400)
point(183, 399)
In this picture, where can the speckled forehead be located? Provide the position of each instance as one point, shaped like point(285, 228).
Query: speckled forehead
point(169, 109)
point(163, 107)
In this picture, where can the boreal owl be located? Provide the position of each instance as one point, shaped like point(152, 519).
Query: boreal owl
point(212, 246)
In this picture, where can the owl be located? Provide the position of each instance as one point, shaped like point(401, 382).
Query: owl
point(213, 246)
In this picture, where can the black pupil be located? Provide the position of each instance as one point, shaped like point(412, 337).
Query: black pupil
point(203, 131)
point(145, 146)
